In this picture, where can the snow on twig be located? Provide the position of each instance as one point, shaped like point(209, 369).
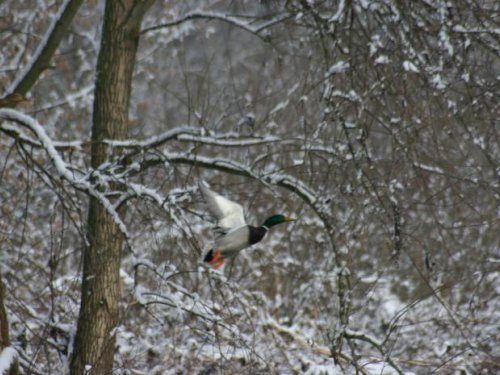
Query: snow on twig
point(476, 30)
point(428, 168)
point(228, 140)
point(291, 183)
point(339, 13)
point(213, 163)
point(150, 142)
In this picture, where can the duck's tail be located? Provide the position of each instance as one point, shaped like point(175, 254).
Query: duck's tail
point(209, 256)
point(215, 258)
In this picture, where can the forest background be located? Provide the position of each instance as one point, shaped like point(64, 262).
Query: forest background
point(376, 123)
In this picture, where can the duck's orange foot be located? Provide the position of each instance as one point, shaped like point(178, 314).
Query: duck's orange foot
point(218, 264)
point(217, 260)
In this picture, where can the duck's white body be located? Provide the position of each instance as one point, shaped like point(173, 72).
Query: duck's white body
point(233, 242)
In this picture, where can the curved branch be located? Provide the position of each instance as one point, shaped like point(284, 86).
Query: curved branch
point(17, 134)
point(282, 180)
point(232, 20)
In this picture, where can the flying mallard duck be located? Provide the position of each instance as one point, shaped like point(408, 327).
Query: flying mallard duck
point(233, 234)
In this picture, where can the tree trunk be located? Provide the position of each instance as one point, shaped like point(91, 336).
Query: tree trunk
point(99, 312)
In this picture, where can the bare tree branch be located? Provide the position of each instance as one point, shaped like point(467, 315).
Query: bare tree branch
point(40, 60)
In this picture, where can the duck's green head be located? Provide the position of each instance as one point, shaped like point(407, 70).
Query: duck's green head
point(275, 220)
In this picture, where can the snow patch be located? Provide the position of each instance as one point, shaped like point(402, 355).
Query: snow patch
point(339, 67)
point(410, 67)
point(382, 59)
point(7, 358)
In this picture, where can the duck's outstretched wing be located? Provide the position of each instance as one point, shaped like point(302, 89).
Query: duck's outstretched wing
point(229, 214)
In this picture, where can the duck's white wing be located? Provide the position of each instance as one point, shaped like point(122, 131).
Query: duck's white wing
point(229, 214)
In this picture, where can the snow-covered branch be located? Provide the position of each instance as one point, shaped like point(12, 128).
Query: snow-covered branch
point(63, 170)
point(15, 132)
point(227, 18)
point(182, 134)
point(186, 134)
point(189, 134)
point(230, 166)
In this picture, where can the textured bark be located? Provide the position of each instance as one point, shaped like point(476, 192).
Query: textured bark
point(99, 312)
